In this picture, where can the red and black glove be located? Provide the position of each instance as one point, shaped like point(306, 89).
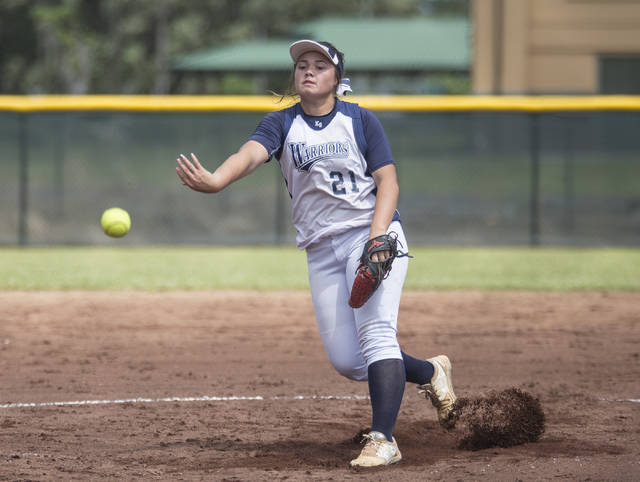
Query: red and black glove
point(370, 273)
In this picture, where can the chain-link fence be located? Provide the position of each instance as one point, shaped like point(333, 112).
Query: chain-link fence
point(467, 177)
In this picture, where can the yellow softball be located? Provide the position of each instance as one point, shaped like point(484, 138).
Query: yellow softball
point(116, 222)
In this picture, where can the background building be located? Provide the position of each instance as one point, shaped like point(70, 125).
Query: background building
point(421, 55)
point(556, 46)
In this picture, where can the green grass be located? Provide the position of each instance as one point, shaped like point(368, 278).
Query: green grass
point(275, 268)
point(525, 269)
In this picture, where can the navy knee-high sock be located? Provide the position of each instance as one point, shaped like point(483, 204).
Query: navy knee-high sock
point(386, 388)
point(418, 371)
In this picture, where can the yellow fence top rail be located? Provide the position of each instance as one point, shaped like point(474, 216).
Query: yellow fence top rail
point(266, 103)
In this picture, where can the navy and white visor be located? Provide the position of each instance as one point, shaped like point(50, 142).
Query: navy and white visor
point(302, 46)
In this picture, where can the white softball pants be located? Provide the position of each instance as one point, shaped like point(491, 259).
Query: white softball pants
point(355, 338)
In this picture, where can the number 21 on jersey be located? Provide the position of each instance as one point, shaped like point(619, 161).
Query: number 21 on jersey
point(338, 185)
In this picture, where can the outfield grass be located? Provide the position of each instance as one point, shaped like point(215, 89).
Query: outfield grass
point(275, 268)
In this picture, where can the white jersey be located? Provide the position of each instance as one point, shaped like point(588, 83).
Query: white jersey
point(327, 163)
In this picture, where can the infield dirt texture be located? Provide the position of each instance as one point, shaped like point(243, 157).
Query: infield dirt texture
point(578, 353)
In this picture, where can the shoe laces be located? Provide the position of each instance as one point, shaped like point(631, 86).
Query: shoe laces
point(374, 445)
point(439, 400)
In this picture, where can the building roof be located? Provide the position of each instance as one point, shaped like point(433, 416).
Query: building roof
point(251, 55)
point(374, 44)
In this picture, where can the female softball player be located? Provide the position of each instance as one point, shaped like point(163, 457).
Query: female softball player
point(338, 168)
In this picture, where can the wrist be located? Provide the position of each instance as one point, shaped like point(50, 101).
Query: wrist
point(214, 182)
point(375, 232)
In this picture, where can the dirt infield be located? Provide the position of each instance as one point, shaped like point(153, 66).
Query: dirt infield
point(579, 353)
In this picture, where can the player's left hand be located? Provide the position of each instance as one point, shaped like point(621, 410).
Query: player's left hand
point(375, 264)
point(380, 256)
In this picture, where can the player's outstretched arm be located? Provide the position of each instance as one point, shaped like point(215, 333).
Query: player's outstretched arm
point(238, 165)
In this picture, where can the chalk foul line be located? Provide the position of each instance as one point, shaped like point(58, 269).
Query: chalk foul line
point(206, 398)
point(178, 399)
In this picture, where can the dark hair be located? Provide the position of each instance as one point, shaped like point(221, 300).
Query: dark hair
point(340, 54)
point(290, 90)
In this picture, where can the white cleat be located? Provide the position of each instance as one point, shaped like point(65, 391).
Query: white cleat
point(378, 451)
point(440, 391)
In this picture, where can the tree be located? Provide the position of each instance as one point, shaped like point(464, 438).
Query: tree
point(125, 47)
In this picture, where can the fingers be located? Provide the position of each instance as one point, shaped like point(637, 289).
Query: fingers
point(380, 256)
point(192, 165)
point(186, 171)
point(193, 175)
point(183, 173)
point(183, 177)
point(196, 162)
point(186, 165)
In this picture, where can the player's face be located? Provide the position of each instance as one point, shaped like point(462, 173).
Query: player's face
point(315, 76)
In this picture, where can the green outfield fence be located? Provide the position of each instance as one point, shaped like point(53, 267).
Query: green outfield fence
point(473, 170)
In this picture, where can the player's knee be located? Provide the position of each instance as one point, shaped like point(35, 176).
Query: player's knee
point(380, 347)
point(357, 374)
point(350, 368)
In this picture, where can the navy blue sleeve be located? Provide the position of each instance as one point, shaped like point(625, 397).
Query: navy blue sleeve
point(378, 152)
point(270, 133)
